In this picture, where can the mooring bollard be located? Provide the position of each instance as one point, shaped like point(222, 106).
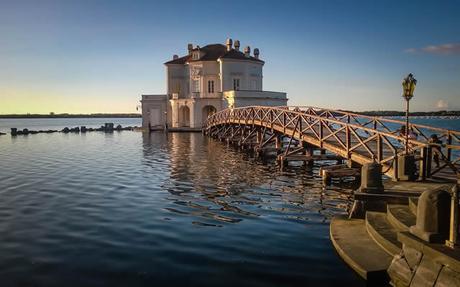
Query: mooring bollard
point(433, 216)
point(14, 132)
point(119, 127)
point(371, 182)
point(406, 170)
point(371, 178)
point(25, 131)
point(83, 129)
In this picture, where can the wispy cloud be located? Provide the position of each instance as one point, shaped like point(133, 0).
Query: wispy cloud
point(411, 50)
point(444, 49)
point(442, 104)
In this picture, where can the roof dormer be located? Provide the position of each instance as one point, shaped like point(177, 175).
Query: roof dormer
point(197, 53)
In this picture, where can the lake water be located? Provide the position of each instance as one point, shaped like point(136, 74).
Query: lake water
point(136, 209)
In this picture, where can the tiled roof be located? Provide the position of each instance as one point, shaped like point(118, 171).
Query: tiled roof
point(234, 54)
point(181, 60)
point(213, 52)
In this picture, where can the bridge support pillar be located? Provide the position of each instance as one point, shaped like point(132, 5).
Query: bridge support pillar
point(259, 137)
point(309, 150)
point(278, 143)
point(406, 168)
point(371, 178)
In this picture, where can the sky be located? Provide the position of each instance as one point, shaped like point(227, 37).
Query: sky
point(101, 56)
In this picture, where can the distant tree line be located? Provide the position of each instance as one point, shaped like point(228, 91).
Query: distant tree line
point(415, 114)
point(52, 115)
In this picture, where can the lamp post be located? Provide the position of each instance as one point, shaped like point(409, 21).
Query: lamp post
point(408, 84)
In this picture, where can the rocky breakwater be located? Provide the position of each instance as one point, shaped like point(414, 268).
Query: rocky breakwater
point(107, 127)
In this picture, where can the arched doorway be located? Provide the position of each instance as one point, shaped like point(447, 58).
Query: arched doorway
point(184, 116)
point(206, 112)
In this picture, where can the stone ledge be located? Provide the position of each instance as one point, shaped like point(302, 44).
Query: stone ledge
point(437, 252)
point(400, 216)
point(355, 246)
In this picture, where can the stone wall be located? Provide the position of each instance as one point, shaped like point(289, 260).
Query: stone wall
point(424, 264)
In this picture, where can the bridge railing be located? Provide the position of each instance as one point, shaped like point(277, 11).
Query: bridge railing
point(353, 136)
point(448, 152)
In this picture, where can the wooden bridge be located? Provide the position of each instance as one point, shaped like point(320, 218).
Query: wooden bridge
point(295, 132)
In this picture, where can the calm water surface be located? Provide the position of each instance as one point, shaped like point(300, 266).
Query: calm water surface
point(132, 209)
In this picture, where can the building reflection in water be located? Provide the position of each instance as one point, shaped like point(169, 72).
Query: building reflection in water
point(216, 184)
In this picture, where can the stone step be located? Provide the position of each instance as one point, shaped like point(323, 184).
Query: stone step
point(357, 248)
point(400, 216)
point(383, 232)
point(413, 202)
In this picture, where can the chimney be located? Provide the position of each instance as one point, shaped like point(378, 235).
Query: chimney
point(229, 44)
point(190, 48)
point(237, 45)
point(175, 57)
point(256, 53)
point(247, 51)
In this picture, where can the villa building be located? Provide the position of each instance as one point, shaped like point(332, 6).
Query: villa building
point(207, 80)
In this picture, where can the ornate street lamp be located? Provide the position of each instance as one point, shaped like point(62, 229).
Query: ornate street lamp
point(408, 84)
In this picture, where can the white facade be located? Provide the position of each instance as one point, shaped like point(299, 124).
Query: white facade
point(205, 81)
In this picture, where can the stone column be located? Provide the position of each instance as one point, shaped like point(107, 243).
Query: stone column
point(194, 123)
point(174, 113)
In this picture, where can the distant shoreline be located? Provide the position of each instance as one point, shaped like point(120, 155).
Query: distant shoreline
point(412, 114)
point(131, 115)
point(69, 116)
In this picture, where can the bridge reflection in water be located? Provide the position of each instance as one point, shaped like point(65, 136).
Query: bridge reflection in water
point(212, 184)
point(356, 138)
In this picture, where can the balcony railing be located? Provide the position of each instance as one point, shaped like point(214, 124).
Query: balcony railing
point(216, 95)
point(195, 95)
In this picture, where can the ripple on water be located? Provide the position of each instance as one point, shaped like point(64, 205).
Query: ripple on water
point(132, 209)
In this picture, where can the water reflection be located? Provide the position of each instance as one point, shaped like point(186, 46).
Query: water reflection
point(215, 184)
point(131, 209)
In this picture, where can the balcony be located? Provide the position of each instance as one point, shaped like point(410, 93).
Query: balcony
point(244, 98)
point(153, 97)
point(197, 95)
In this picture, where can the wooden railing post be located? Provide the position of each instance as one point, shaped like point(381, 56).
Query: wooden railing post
point(379, 148)
point(347, 140)
point(423, 163)
point(271, 119)
point(429, 159)
point(284, 122)
point(300, 127)
point(321, 133)
point(448, 144)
